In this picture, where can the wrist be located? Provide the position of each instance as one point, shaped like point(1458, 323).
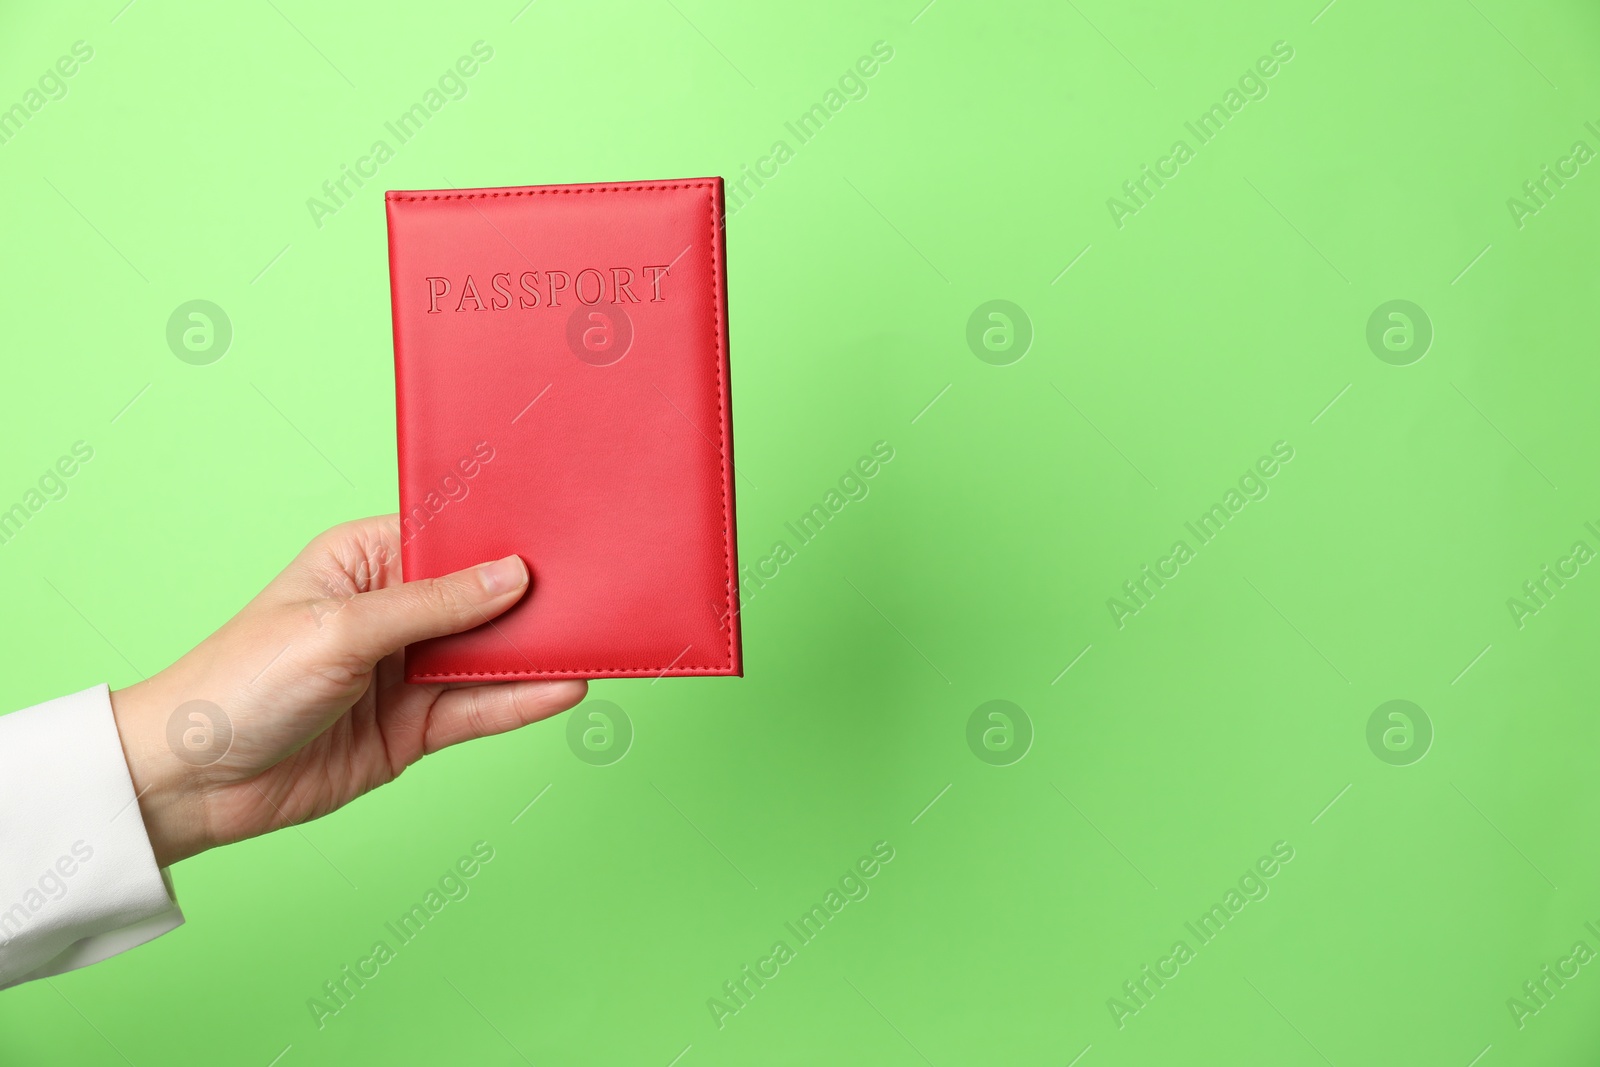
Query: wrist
point(166, 786)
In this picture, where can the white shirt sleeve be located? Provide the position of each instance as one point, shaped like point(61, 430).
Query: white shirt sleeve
point(78, 879)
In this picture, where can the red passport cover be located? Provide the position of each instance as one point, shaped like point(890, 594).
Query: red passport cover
point(561, 381)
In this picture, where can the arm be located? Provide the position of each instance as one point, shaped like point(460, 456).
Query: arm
point(295, 707)
point(78, 880)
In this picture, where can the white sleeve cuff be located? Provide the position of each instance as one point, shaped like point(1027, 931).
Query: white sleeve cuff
point(78, 878)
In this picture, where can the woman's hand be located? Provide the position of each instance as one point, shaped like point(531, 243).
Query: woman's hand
point(298, 704)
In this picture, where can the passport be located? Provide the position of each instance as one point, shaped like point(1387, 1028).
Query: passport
point(562, 393)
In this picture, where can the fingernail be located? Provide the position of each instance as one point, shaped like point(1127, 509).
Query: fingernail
point(502, 576)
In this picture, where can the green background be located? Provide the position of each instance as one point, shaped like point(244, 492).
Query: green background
point(1229, 714)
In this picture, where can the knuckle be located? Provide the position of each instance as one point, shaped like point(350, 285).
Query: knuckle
point(480, 716)
point(450, 600)
point(519, 709)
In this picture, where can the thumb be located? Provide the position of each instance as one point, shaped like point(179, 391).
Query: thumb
point(384, 620)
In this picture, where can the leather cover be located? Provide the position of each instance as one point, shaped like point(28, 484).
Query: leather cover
point(561, 380)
